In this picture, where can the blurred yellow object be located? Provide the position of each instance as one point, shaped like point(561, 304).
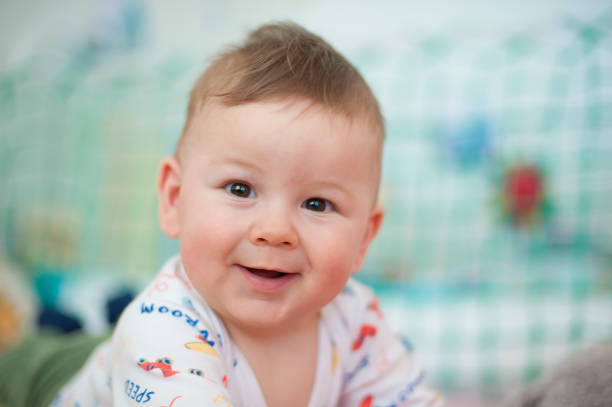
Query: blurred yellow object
point(17, 305)
point(10, 327)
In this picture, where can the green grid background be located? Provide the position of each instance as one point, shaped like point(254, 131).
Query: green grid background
point(484, 303)
point(489, 305)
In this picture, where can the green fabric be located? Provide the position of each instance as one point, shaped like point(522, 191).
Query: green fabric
point(32, 372)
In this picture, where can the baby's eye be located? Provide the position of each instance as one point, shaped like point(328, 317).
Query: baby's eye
point(240, 189)
point(317, 205)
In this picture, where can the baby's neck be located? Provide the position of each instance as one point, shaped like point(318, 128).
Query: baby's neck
point(276, 356)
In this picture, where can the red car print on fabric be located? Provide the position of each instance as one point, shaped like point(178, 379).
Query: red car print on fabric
point(163, 364)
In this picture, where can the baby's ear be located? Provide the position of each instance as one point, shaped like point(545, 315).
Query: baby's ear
point(168, 188)
point(374, 222)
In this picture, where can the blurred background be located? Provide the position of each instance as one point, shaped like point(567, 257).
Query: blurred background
point(495, 258)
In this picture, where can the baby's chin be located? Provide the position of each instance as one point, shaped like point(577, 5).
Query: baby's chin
point(265, 320)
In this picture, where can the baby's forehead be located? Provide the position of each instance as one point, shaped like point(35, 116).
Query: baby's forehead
point(293, 118)
point(320, 136)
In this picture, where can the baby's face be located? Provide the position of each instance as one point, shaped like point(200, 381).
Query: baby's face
point(275, 208)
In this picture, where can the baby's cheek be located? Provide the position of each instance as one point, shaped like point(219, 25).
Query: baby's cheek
point(208, 228)
point(335, 263)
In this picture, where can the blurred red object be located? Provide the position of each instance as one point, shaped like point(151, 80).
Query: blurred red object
point(523, 193)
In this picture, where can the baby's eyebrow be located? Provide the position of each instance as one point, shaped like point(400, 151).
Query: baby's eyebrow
point(338, 186)
point(239, 162)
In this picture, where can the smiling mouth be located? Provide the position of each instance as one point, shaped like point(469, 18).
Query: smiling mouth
point(272, 274)
point(266, 280)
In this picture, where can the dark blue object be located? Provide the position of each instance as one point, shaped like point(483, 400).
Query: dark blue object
point(115, 305)
point(51, 318)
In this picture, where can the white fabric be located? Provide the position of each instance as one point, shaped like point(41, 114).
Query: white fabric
point(360, 362)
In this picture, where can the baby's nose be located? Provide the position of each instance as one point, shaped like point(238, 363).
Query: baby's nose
point(273, 231)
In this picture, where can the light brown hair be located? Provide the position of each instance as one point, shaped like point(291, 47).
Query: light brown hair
point(284, 60)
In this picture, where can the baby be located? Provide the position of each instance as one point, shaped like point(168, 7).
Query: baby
point(272, 193)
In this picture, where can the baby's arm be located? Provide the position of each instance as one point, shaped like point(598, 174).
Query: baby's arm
point(164, 354)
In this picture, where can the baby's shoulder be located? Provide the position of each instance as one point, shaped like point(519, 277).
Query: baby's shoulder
point(170, 283)
point(356, 305)
point(169, 306)
point(355, 296)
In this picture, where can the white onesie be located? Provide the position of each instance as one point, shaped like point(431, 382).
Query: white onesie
point(169, 349)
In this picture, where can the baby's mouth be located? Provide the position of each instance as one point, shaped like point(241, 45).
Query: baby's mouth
point(266, 280)
point(265, 273)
